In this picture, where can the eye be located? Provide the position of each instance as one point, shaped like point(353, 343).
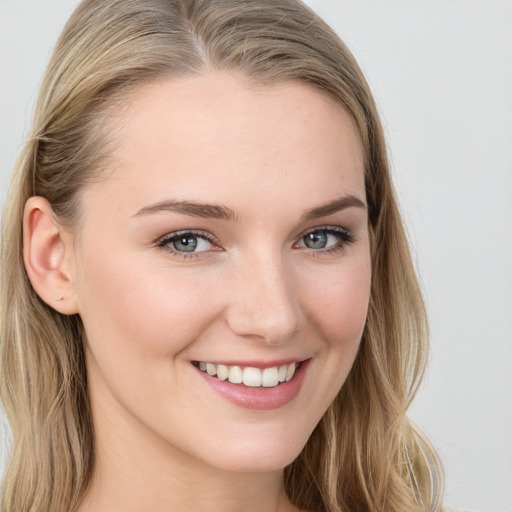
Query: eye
point(326, 239)
point(187, 242)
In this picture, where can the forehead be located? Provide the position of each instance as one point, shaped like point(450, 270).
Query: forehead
point(209, 132)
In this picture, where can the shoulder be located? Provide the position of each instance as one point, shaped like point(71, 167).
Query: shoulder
point(455, 509)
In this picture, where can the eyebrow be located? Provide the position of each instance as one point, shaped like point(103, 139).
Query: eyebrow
point(348, 201)
point(204, 210)
point(213, 211)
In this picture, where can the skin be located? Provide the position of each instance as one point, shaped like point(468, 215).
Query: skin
point(165, 440)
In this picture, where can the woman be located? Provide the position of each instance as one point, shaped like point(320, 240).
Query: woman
point(211, 304)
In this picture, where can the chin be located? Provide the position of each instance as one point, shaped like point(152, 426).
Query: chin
point(255, 456)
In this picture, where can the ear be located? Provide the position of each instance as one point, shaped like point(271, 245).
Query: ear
point(48, 256)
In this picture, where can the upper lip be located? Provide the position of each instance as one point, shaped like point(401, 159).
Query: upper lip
point(253, 363)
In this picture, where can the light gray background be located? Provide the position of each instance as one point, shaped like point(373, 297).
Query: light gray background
point(442, 75)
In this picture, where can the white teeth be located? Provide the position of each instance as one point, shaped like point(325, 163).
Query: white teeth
point(222, 372)
point(235, 375)
point(270, 377)
point(290, 372)
point(249, 376)
point(252, 377)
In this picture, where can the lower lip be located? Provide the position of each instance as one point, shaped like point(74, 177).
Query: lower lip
point(260, 398)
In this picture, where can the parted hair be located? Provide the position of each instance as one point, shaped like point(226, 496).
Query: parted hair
point(365, 454)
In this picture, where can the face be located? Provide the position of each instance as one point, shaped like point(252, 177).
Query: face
point(229, 243)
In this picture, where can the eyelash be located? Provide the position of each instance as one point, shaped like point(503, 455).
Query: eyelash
point(176, 235)
point(343, 236)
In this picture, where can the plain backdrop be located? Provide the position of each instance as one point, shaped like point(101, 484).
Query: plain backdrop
point(441, 72)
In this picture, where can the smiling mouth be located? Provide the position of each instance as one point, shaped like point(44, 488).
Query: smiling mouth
point(250, 376)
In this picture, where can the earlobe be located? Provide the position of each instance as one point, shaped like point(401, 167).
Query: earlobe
point(46, 254)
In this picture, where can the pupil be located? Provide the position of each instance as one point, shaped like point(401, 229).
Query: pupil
point(316, 240)
point(186, 244)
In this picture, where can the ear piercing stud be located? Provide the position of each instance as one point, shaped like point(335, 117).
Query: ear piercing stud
point(59, 298)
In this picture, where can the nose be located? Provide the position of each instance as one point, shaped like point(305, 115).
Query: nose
point(265, 301)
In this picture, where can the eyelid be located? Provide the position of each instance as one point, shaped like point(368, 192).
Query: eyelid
point(329, 229)
point(196, 232)
point(326, 227)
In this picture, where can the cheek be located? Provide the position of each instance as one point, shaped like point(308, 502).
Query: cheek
point(338, 309)
point(142, 309)
point(338, 302)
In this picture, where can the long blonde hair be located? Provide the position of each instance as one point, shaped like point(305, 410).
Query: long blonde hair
point(365, 454)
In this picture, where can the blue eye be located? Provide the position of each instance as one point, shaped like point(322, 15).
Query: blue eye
point(187, 242)
point(316, 240)
point(329, 238)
